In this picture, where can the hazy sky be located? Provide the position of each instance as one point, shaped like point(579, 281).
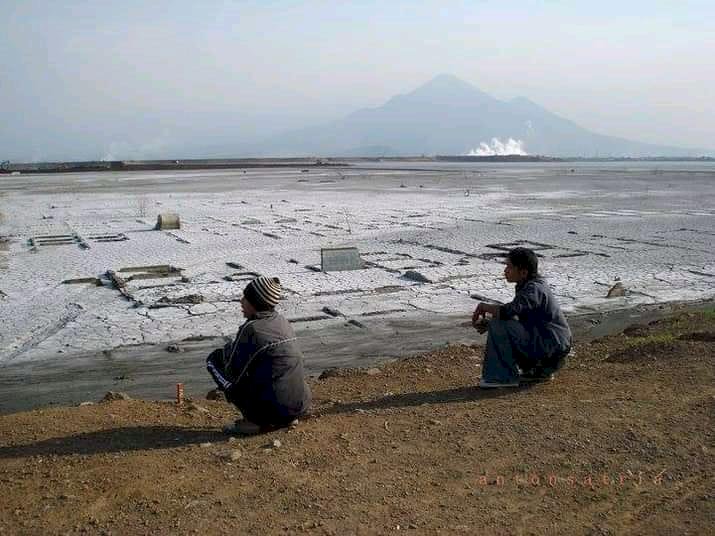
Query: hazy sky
point(138, 79)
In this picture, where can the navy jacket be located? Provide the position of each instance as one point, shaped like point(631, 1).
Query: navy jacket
point(540, 314)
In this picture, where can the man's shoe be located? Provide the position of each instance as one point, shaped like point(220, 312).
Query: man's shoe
point(537, 375)
point(486, 384)
point(242, 427)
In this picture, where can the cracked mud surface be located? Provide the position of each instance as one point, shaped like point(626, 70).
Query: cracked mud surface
point(650, 229)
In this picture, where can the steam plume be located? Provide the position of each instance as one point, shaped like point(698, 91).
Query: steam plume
point(499, 148)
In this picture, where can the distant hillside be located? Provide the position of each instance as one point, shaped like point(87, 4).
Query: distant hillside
point(449, 116)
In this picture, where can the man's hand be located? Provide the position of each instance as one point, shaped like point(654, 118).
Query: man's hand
point(479, 318)
point(481, 325)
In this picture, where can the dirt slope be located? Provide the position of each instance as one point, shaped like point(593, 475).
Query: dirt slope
point(620, 443)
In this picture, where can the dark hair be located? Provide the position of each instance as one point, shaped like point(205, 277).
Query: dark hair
point(525, 258)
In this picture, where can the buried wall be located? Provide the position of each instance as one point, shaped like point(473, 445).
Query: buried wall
point(340, 259)
point(168, 221)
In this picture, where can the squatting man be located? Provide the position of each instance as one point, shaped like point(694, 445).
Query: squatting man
point(528, 338)
point(261, 370)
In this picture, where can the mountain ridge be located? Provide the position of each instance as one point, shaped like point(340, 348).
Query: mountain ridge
point(447, 115)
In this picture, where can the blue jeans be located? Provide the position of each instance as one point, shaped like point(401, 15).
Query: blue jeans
point(510, 351)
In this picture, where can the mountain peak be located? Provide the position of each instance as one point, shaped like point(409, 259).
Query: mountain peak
point(446, 83)
point(447, 79)
point(447, 88)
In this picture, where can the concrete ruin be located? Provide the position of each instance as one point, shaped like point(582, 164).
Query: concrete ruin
point(168, 221)
point(340, 259)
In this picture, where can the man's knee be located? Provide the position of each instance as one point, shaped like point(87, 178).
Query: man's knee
point(495, 327)
point(502, 328)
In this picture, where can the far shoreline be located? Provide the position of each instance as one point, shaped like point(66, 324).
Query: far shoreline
point(14, 168)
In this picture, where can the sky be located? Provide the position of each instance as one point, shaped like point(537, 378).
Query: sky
point(136, 79)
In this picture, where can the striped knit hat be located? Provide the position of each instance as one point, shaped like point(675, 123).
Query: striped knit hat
point(263, 292)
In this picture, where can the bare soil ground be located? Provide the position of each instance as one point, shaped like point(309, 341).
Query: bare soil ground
point(620, 443)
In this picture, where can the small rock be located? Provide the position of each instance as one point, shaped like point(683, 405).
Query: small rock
point(173, 348)
point(435, 422)
point(215, 394)
point(616, 291)
point(115, 395)
point(196, 407)
point(331, 311)
point(205, 445)
point(277, 444)
point(373, 371)
point(329, 373)
point(86, 403)
point(414, 275)
point(234, 455)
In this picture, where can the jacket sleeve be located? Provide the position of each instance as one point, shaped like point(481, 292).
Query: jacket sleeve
point(526, 299)
point(241, 351)
point(215, 366)
point(226, 365)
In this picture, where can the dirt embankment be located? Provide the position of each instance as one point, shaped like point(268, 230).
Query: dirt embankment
point(620, 443)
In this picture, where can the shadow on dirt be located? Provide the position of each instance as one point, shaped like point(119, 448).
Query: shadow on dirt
point(134, 438)
point(699, 336)
point(130, 438)
point(459, 394)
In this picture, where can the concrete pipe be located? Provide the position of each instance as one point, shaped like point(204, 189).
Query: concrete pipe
point(168, 220)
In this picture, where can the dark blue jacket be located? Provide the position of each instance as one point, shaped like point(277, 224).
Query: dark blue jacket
point(540, 314)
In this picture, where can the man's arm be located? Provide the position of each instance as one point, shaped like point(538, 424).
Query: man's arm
point(526, 299)
point(215, 366)
point(227, 364)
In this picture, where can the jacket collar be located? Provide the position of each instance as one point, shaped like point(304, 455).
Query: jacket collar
point(263, 314)
point(537, 279)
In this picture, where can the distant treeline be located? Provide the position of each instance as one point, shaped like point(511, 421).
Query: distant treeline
point(144, 165)
point(238, 163)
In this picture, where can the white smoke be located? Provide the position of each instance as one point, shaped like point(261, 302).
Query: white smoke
point(499, 148)
point(156, 147)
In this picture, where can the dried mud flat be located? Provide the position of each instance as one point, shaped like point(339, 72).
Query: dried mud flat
point(620, 443)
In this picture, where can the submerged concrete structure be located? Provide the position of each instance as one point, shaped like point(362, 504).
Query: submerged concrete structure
point(168, 221)
point(340, 259)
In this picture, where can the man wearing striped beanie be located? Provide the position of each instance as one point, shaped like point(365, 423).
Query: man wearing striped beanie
point(262, 293)
point(261, 371)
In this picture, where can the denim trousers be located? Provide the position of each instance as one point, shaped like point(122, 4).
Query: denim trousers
point(510, 351)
